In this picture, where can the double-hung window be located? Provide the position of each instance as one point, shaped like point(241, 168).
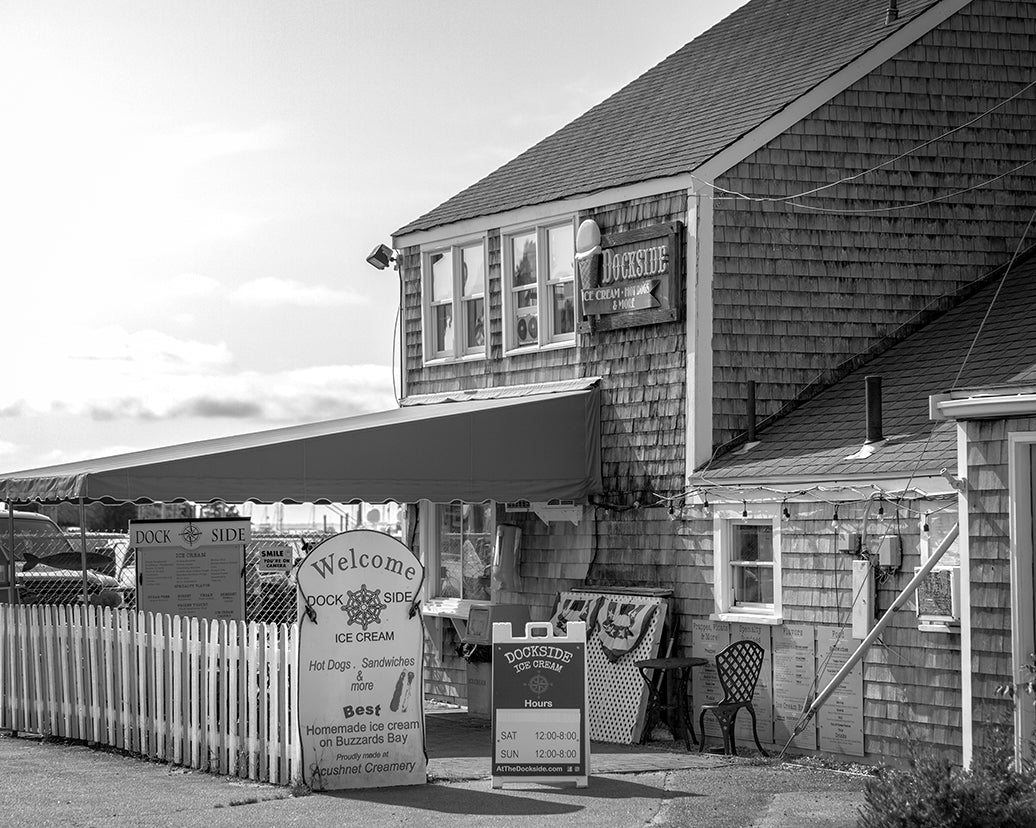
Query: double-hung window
point(455, 301)
point(539, 286)
point(747, 566)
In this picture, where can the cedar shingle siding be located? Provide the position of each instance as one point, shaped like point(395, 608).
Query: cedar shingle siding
point(796, 294)
point(818, 288)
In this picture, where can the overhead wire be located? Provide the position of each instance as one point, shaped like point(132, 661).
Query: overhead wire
point(850, 178)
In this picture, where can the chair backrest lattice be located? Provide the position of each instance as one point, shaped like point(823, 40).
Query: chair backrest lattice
point(738, 667)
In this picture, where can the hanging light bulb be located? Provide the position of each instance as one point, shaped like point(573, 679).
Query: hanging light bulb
point(834, 517)
point(784, 509)
point(881, 507)
point(925, 527)
point(744, 513)
point(705, 501)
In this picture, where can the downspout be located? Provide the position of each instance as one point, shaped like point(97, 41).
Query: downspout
point(883, 622)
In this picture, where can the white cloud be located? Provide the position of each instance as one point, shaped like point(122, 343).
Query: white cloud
point(271, 292)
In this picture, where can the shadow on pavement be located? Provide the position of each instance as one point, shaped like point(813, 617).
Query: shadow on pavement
point(520, 800)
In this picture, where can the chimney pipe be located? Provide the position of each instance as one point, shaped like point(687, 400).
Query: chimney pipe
point(751, 411)
point(892, 13)
point(873, 393)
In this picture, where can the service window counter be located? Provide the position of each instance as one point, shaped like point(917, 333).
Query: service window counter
point(477, 649)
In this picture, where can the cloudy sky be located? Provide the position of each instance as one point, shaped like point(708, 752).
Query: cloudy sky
point(190, 190)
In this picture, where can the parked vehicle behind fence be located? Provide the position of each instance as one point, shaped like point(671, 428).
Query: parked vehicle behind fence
point(48, 569)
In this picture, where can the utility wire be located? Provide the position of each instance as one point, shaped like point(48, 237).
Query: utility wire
point(992, 301)
point(849, 178)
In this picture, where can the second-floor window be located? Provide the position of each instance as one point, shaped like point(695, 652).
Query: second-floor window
point(455, 301)
point(539, 286)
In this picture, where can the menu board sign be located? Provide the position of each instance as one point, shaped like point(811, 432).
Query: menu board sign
point(840, 718)
point(762, 699)
point(360, 698)
point(539, 705)
point(794, 665)
point(707, 639)
point(191, 567)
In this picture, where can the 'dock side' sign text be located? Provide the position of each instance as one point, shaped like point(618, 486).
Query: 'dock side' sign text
point(361, 712)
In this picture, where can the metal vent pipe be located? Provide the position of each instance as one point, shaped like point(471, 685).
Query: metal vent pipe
point(873, 392)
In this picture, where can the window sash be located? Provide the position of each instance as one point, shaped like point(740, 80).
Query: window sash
point(540, 289)
point(455, 301)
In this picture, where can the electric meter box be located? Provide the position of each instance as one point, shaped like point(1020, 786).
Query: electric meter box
point(482, 618)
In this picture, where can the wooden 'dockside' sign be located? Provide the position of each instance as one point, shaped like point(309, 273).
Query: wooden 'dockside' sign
point(638, 279)
point(540, 731)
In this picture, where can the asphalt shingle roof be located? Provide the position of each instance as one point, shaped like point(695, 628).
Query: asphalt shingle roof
point(690, 106)
point(814, 439)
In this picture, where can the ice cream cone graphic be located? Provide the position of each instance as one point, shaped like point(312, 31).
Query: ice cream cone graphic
point(588, 254)
point(406, 692)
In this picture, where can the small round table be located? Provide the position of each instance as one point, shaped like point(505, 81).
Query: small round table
point(681, 669)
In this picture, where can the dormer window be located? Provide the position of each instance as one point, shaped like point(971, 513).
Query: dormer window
point(454, 301)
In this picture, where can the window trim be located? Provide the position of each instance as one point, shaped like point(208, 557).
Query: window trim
point(546, 339)
point(457, 301)
point(724, 519)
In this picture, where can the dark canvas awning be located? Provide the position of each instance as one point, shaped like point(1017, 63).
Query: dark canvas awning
point(538, 448)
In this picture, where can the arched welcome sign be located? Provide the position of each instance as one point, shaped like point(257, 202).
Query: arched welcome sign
point(361, 706)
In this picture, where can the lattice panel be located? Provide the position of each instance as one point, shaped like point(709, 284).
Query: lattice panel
point(617, 694)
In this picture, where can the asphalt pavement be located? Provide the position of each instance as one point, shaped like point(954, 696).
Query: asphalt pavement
point(48, 783)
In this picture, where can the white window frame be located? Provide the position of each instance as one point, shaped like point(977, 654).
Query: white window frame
point(724, 519)
point(432, 603)
point(546, 337)
point(461, 350)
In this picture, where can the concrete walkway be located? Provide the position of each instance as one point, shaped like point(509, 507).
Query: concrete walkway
point(57, 784)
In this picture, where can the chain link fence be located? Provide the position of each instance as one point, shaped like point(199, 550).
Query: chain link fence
point(49, 568)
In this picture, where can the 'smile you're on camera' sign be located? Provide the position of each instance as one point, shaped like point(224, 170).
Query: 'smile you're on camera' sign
point(361, 711)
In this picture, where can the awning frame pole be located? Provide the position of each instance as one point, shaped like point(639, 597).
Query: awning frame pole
point(883, 622)
point(12, 565)
point(82, 549)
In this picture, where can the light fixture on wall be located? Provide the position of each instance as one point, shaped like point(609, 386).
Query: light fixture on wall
point(381, 257)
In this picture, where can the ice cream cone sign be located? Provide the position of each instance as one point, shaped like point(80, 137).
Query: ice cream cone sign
point(588, 253)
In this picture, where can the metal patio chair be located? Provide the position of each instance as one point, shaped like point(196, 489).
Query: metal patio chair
point(738, 666)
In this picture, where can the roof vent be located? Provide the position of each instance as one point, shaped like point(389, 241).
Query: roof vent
point(892, 12)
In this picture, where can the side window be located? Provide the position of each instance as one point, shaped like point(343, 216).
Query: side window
point(539, 286)
point(462, 553)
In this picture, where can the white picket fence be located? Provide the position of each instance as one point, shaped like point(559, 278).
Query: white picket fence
point(211, 695)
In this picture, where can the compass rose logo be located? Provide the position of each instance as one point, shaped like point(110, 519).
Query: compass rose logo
point(538, 684)
point(364, 606)
point(190, 533)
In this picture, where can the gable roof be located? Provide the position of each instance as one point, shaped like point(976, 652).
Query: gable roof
point(812, 442)
point(690, 106)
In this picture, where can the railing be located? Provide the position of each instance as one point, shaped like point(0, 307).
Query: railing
point(211, 695)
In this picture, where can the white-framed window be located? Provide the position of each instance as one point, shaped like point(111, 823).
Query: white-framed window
point(457, 544)
point(747, 564)
point(454, 300)
point(539, 285)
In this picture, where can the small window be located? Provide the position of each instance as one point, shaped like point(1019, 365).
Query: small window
point(539, 267)
point(455, 301)
point(746, 566)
